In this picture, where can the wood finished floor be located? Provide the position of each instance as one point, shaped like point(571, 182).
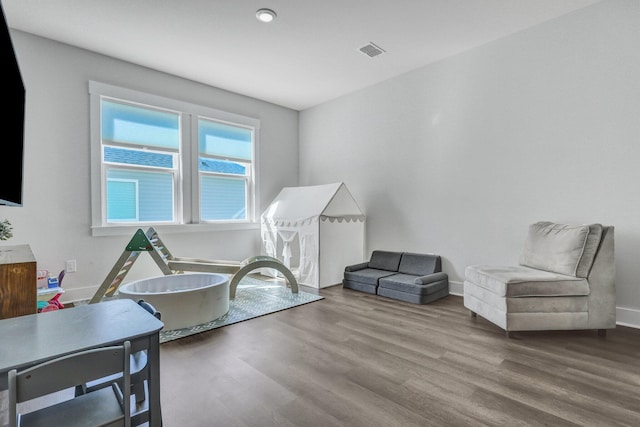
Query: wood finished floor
point(355, 359)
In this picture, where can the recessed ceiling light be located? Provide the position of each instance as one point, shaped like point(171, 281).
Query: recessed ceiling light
point(265, 15)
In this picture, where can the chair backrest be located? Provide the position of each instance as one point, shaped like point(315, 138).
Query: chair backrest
point(150, 308)
point(70, 371)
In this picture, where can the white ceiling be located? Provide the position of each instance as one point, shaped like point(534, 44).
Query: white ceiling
point(308, 55)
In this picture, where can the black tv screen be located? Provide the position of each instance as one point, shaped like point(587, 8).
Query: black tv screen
point(11, 165)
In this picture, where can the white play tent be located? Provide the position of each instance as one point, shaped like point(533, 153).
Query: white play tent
point(316, 231)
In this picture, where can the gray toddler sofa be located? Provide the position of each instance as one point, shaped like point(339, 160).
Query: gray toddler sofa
point(565, 280)
point(406, 276)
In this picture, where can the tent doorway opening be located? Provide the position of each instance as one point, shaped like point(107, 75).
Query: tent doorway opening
point(288, 246)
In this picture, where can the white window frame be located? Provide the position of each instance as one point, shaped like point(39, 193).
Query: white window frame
point(187, 195)
point(248, 178)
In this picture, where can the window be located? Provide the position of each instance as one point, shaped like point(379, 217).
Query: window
point(225, 153)
point(157, 161)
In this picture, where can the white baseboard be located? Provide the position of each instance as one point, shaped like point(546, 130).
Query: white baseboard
point(78, 294)
point(629, 317)
point(456, 288)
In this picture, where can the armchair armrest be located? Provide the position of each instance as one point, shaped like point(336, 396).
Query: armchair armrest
point(430, 278)
point(357, 267)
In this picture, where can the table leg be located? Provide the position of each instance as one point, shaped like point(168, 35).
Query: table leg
point(155, 412)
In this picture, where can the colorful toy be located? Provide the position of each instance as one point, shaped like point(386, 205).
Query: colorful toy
point(53, 303)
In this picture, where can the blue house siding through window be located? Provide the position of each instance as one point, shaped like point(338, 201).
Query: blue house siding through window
point(137, 157)
point(155, 195)
point(222, 198)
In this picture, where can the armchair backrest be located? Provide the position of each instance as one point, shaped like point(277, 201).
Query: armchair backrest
point(562, 248)
point(585, 251)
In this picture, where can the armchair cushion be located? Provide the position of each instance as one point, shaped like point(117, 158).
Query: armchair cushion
point(561, 248)
point(520, 281)
point(545, 304)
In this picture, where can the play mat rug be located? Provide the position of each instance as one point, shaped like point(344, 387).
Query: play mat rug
point(254, 298)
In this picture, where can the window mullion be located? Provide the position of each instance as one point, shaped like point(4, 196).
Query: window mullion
point(191, 169)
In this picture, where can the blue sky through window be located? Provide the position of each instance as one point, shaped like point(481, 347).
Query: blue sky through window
point(223, 140)
point(137, 125)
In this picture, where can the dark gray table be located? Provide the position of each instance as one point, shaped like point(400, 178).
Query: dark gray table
point(28, 340)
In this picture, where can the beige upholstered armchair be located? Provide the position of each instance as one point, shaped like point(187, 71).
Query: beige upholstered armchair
point(565, 281)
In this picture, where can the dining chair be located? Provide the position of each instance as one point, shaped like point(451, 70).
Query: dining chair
point(107, 407)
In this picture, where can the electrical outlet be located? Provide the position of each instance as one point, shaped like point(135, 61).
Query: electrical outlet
point(70, 266)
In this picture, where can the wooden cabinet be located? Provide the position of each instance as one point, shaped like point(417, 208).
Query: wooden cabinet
point(17, 281)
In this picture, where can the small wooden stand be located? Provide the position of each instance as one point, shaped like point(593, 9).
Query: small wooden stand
point(17, 281)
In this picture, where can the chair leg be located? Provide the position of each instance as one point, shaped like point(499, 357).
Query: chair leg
point(509, 334)
point(602, 333)
point(472, 313)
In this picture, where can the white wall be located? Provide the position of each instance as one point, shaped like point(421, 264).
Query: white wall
point(459, 157)
point(55, 218)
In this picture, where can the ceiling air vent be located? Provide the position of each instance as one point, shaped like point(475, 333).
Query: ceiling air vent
point(371, 50)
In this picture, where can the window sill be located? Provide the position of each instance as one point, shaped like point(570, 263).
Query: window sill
point(129, 230)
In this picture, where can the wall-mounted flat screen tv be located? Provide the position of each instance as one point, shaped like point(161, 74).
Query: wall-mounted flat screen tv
point(12, 145)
